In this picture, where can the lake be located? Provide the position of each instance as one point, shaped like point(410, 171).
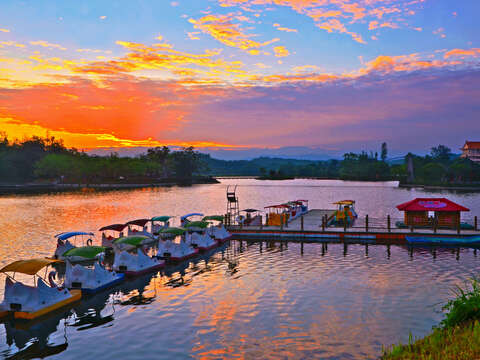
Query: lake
point(248, 300)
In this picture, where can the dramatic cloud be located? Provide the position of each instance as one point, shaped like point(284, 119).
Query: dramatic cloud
point(228, 33)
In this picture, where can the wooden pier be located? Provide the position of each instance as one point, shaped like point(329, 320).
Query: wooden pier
point(312, 227)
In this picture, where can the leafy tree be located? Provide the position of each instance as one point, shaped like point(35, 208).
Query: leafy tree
point(384, 152)
point(441, 153)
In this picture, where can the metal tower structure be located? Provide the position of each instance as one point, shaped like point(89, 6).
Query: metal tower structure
point(233, 209)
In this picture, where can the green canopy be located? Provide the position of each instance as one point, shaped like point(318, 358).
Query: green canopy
point(135, 240)
point(161, 218)
point(173, 231)
point(87, 252)
point(196, 224)
point(213, 218)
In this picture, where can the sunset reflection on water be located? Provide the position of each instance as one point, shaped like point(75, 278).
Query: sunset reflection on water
point(244, 300)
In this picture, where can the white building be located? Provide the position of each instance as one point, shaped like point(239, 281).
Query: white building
point(471, 150)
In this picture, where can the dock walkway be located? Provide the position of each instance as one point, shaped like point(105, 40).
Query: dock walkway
point(312, 231)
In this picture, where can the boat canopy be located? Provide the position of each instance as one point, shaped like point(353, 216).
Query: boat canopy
point(28, 267)
point(161, 218)
point(197, 224)
point(138, 222)
point(184, 217)
point(135, 240)
point(68, 235)
point(114, 227)
point(250, 210)
point(345, 202)
point(173, 231)
point(88, 252)
point(302, 200)
point(213, 218)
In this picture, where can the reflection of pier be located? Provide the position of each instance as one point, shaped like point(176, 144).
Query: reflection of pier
point(313, 227)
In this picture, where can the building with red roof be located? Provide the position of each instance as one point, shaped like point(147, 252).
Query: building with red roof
point(471, 150)
point(446, 213)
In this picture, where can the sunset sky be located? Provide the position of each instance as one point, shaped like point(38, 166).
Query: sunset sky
point(338, 75)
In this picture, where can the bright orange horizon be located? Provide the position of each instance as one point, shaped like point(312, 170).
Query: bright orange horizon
point(237, 74)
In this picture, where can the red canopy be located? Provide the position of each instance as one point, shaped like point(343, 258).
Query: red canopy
point(138, 222)
point(114, 227)
point(431, 204)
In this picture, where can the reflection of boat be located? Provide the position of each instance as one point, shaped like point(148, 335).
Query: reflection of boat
point(345, 214)
point(218, 231)
point(136, 264)
point(107, 231)
point(438, 240)
point(30, 302)
point(32, 338)
point(169, 250)
point(64, 244)
point(196, 236)
point(89, 311)
point(90, 280)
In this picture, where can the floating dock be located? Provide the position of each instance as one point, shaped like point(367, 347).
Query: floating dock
point(312, 230)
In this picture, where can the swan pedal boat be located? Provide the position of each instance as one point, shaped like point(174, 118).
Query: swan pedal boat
point(107, 231)
point(169, 250)
point(218, 231)
point(129, 243)
point(30, 302)
point(64, 244)
point(198, 237)
point(135, 264)
point(83, 253)
point(90, 280)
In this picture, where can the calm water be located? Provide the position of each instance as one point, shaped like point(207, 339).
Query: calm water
point(245, 300)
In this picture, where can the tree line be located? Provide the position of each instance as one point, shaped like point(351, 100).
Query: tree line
point(47, 159)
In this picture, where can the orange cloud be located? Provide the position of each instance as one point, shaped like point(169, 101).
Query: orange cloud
point(375, 25)
point(281, 28)
point(46, 44)
point(281, 51)
point(221, 28)
point(462, 52)
point(335, 25)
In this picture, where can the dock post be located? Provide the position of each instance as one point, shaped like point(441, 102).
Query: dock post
point(458, 225)
point(281, 223)
point(301, 248)
point(389, 227)
point(366, 223)
point(261, 223)
point(435, 225)
point(323, 223)
point(476, 224)
point(301, 223)
point(345, 225)
point(266, 220)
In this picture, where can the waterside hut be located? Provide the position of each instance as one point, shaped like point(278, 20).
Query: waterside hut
point(446, 213)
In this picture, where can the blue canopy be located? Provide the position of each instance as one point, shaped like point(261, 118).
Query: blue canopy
point(192, 214)
point(68, 235)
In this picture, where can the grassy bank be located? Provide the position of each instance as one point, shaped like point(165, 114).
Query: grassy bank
point(457, 337)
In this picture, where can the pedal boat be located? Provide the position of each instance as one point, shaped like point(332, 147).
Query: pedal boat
point(185, 219)
point(136, 264)
point(129, 243)
point(172, 251)
point(91, 279)
point(138, 227)
point(110, 233)
point(217, 231)
point(30, 302)
point(159, 223)
point(197, 236)
point(83, 253)
point(64, 244)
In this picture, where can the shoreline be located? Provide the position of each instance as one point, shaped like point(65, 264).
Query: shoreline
point(18, 189)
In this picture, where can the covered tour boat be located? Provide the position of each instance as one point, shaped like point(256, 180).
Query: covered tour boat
point(110, 233)
point(91, 279)
point(172, 251)
point(217, 229)
point(32, 301)
point(68, 240)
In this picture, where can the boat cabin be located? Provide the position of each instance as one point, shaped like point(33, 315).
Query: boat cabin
point(422, 212)
point(277, 214)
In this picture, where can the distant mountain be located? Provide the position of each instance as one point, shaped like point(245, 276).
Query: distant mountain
point(290, 152)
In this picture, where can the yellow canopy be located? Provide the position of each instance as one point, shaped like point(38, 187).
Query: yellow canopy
point(345, 202)
point(29, 267)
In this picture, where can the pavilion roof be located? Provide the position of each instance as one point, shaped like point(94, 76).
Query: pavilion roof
point(431, 204)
